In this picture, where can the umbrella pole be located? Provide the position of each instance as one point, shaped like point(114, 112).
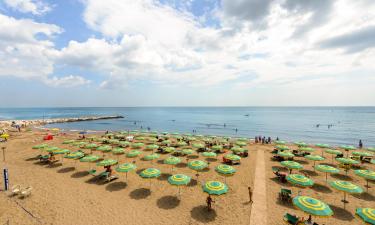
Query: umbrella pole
point(367, 187)
point(326, 177)
point(126, 177)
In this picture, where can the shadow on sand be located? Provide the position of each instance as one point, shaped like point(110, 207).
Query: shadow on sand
point(342, 177)
point(181, 165)
point(321, 188)
point(202, 214)
point(309, 173)
point(193, 182)
point(365, 196)
point(80, 174)
point(116, 186)
point(192, 156)
point(341, 213)
point(211, 159)
point(164, 176)
point(140, 193)
point(66, 169)
point(303, 162)
point(168, 202)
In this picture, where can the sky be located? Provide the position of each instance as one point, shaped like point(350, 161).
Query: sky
point(187, 53)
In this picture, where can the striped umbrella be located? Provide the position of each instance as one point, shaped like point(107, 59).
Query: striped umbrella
point(312, 206)
point(114, 141)
point(152, 147)
point(169, 149)
point(152, 139)
point(371, 149)
point(282, 147)
point(347, 161)
point(209, 154)
point(172, 161)
point(107, 162)
point(198, 145)
point(51, 149)
point(118, 151)
point(187, 151)
point(197, 165)
point(241, 143)
point(301, 144)
point(166, 142)
point(291, 165)
point(61, 151)
point(68, 142)
point(215, 188)
point(74, 155)
point(299, 180)
point(237, 149)
point(140, 138)
point(150, 173)
point(133, 153)
point(333, 152)
point(124, 144)
point(315, 158)
point(285, 154)
point(104, 148)
point(225, 170)
point(90, 158)
point(217, 147)
point(232, 157)
point(151, 157)
point(91, 146)
point(326, 169)
point(366, 214)
point(41, 146)
point(322, 145)
point(280, 142)
point(125, 168)
point(345, 187)
point(137, 145)
point(365, 154)
point(181, 143)
point(367, 174)
point(179, 180)
point(306, 149)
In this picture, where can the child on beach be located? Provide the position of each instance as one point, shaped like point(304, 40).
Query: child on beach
point(209, 202)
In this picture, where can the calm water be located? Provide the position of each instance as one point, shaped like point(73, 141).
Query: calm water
point(288, 123)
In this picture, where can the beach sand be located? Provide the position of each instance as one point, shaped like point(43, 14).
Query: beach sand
point(66, 195)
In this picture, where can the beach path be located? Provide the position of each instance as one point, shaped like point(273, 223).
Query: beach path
point(259, 206)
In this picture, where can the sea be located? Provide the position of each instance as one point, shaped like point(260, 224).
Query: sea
point(329, 125)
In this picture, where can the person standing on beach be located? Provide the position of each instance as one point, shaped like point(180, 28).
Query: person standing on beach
point(360, 144)
point(250, 194)
point(209, 202)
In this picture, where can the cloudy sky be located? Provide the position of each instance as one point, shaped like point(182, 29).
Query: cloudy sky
point(187, 52)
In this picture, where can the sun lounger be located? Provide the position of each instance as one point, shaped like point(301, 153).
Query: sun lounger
point(26, 192)
point(111, 178)
point(92, 172)
point(290, 219)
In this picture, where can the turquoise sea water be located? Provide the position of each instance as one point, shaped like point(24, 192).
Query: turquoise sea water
point(288, 123)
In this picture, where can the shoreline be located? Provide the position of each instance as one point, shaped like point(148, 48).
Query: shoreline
point(42, 122)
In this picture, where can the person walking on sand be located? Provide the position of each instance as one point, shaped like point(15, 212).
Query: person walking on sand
point(360, 144)
point(250, 194)
point(209, 202)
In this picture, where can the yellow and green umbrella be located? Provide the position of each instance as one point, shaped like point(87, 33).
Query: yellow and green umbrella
point(137, 145)
point(347, 161)
point(367, 174)
point(347, 148)
point(241, 143)
point(187, 151)
point(151, 157)
point(225, 170)
point(41, 146)
point(51, 149)
point(299, 180)
point(74, 155)
point(107, 162)
point(326, 169)
point(232, 157)
point(150, 173)
point(181, 143)
point(291, 165)
point(198, 145)
point(104, 148)
point(366, 214)
point(306, 149)
point(322, 145)
point(209, 154)
point(237, 149)
point(315, 158)
point(197, 165)
point(215, 188)
point(61, 151)
point(365, 154)
point(345, 187)
point(312, 206)
point(280, 142)
point(172, 160)
point(285, 154)
point(91, 146)
point(217, 147)
point(371, 149)
point(68, 142)
point(133, 153)
point(301, 144)
point(140, 138)
point(125, 168)
point(90, 158)
point(118, 151)
point(166, 142)
point(333, 152)
point(124, 144)
point(152, 147)
point(179, 180)
point(282, 147)
point(169, 149)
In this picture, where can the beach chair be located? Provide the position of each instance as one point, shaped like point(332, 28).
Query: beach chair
point(290, 219)
point(111, 178)
point(92, 172)
point(285, 195)
point(44, 158)
point(26, 192)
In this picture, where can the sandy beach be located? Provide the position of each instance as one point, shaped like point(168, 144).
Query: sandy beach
point(65, 193)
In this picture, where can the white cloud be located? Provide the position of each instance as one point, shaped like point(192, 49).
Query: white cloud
point(67, 81)
point(35, 7)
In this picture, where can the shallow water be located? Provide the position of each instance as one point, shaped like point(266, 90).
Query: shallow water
point(288, 123)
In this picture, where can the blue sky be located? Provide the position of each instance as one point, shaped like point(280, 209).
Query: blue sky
point(187, 52)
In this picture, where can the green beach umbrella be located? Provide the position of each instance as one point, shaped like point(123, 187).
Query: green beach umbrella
point(198, 145)
point(151, 157)
point(51, 149)
point(366, 214)
point(241, 143)
point(371, 149)
point(312, 206)
point(285, 154)
point(345, 187)
point(280, 142)
point(347, 161)
point(150, 173)
point(82, 143)
point(61, 151)
point(347, 147)
point(367, 174)
point(209, 154)
point(151, 147)
point(282, 147)
point(104, 148)
point(242, 139)
point(133, 153)
point(191, 138)
point(152, 139)
point(237, 149)
point(114, 141)
point(315, 158)
point(166, 142)
point(74, 155)
point(365, 154)
point(301, 144)
point(140, 138)
point(125, 168)
point(172, 160)
point(187, 151)
point(322, 145)
point(217, 147)
point(40, 146)
point(333, 152)
point(107, 162)
point(299, 180)
point(232, 157)
point(137, 145)
point(225, 169)
point(179, 179)
point(181, 143)
point(68, 142)
point(91, 146)
point(169, 149)
point(215, 188)
point(118, 151)
point(326, 169)
point(124, 144)
point(90, 158)
point(306, 149)
point(197, 165)
point(291, 165)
